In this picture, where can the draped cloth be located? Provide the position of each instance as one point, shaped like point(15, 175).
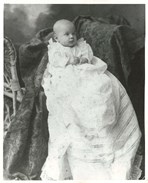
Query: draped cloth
point(26, 142)
point(114, 44)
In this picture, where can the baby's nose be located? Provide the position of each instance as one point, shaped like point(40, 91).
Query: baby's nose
point(71, 35)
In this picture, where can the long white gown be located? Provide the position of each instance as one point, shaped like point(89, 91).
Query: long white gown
point(94, 133)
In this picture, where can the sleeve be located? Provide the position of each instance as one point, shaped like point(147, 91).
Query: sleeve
point(86, 50)
point(56, 56)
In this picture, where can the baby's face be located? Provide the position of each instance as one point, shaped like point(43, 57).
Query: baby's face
point(66, 35)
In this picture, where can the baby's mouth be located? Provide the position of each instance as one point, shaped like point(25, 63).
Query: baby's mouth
point(72, 41)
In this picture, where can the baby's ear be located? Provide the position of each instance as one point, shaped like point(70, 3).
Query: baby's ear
point(54, 36)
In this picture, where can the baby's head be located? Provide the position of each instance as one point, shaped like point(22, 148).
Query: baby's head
point(64, 33)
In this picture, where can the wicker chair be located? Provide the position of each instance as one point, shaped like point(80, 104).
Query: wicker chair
point(13, 93)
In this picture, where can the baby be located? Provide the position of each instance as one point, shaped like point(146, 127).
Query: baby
point(67, 47)
point(92, 124)
point(64, 33)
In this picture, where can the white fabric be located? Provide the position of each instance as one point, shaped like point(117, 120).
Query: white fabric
point(92, 124)
point(60, 55)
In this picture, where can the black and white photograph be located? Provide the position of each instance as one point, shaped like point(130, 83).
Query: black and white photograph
point(74, 92)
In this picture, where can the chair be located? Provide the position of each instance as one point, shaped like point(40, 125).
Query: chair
point(13, 93)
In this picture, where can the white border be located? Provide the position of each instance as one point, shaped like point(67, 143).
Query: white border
point(73, 2)
point(1, 91)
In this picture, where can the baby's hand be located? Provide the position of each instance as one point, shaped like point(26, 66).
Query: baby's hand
point(83, 60)
point(73, 61)
point(76, 61)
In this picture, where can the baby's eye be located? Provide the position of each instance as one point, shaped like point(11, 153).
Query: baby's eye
point(66, 34)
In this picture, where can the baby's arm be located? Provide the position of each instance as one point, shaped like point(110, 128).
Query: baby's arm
point(75, 61)
point(58, 59)
point(86, 52)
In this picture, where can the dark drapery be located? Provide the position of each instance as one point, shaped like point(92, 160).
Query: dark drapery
point(26, 142)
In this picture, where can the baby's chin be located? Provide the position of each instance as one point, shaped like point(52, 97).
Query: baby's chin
point(70, 44)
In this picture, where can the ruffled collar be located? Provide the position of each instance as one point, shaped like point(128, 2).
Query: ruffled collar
point(53, 43)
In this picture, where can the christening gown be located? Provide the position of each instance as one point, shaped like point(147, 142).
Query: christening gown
point(94, 133)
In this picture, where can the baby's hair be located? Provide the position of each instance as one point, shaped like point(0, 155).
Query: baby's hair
point(60, 22)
